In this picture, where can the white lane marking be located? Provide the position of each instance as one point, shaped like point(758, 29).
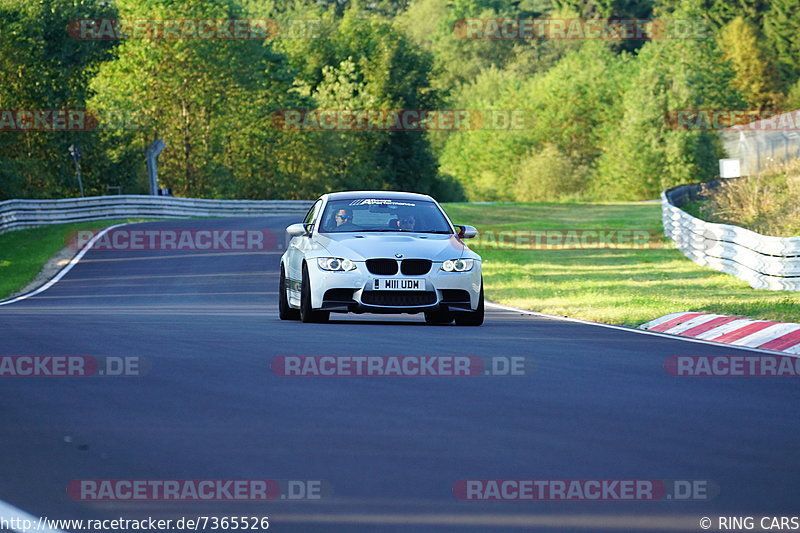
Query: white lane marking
point(660, 320)
point(724, 329)
point(183, 254)
point(689, 324)
point(793, 350)
point(767, 334)
point(63, 271)
point(8, 513)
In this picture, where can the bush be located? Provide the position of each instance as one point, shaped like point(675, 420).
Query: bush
point(548, 175)
point(766, 203)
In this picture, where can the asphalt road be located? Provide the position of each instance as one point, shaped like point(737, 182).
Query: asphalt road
point(599, 405)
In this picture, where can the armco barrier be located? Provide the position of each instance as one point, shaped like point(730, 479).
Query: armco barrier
point(20, 214)
point(765, 262)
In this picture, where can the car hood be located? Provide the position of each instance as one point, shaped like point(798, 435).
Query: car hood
point(361, 246)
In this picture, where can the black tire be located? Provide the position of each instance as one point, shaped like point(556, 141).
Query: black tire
point(438, 317)
point(473, 318)
point(284, 311)
point(307, 313)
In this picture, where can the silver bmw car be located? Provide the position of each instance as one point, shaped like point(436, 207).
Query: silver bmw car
point(380, 252)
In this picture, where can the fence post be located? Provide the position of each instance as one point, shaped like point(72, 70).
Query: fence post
point(151, 155)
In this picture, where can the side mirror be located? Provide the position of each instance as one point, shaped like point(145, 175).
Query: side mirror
point(466, 232)
point(296, 230)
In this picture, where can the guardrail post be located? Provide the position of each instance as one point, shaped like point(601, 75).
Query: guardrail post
point(75, 152)
point(151, 155)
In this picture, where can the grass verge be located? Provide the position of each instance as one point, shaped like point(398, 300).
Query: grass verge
point(23, 253)
point(615, 286)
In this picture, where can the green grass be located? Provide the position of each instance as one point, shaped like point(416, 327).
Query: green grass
point(23, 253)
point(616, 286)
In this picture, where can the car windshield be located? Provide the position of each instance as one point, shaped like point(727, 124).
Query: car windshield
point(383, 215)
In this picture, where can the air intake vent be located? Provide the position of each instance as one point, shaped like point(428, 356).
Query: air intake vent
point(382, 267)
point(454, 295)
point(415, 267)
point(398, 298)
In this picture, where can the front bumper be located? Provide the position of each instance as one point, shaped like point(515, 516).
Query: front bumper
point(353, 291)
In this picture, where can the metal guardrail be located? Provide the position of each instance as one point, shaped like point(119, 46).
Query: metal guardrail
point(21, 214)
point(765, 262)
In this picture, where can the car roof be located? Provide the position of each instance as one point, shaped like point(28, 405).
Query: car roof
point(388, 195)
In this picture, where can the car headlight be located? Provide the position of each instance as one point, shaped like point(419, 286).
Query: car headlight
point(335, 264)
point(458, 265)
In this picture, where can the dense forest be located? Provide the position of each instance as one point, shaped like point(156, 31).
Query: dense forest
point(593, 109)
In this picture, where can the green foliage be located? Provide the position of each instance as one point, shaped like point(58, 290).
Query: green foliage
point(755, 76)
point(366, 63)
point(569, 106)
point(782, 29)
point(644, 155)
point(42, 67)
point(716, 12)
point(548, 174)
point(458, 60)
point(208, 99)
point(792, 100)
point(484, 159)
point(593, 111)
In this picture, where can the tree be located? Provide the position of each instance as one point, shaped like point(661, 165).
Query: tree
point(458, 59)
point(643, 154)
point(42, 67)
point(716, 12)
point(211, 100)
point(755, 76)
point(366, 63)
point(782, 29)
point(569, 107)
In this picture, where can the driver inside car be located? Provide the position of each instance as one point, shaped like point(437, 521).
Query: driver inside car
point(344, 220)
point(406, 223)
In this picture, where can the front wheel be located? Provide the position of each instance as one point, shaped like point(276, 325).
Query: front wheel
point(473, 318)
point(284, 311)
point(307, 313)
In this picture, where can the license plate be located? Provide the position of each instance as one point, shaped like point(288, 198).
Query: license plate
point(398, 284)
